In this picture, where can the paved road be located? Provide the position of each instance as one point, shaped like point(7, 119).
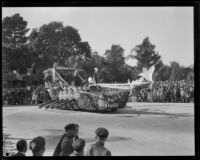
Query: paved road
point(139, 129)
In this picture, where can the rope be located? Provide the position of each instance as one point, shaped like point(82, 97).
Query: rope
point(80, 76)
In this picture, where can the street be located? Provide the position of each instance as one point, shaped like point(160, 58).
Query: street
point(140, 129)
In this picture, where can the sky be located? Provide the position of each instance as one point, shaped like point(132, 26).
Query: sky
point(169, 28)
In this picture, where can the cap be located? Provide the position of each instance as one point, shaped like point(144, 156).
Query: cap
point(102, 132)
point(70, 126)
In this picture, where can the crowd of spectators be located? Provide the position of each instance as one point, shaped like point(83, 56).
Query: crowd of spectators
point(25, 95)
point(16, 96)
point(166, 91)
point(70, 144)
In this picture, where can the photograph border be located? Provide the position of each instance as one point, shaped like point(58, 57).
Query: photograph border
point(196, 18)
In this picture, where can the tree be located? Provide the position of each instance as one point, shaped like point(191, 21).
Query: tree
point(14, 31)
point(175, 71)
point(105, 75)
point(115, 55)
point(185, 72)
point(97, 60)
point(116, 64)
point(162, 72)
point(146, 54)
point(16, 59)
point(55, 43)
point(158, 71)
point(14, 41)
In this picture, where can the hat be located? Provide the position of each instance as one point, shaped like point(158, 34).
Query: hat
point(37, 143)
point(102, 132)
point(70, 126)
point(78, 144)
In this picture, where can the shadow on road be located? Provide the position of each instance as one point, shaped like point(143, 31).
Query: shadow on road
point(139, 112)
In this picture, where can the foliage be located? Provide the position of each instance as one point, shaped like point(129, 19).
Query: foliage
point(175, 71)
point(56, 43)
point(14, 40)
point(116, 64)
point(115, 55)
point(146, 54)
point(14, 31)
point(162, 72)
point(15, 54)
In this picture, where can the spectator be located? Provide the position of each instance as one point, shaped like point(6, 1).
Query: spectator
point(98, 148)
point(78, 146)
point(64, 147)
point(21, 148)
point(37, 146)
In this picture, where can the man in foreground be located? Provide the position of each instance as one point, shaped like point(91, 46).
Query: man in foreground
point(64, 147)
point(98, 148)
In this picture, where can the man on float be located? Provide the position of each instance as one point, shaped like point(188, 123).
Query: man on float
point(93, 80)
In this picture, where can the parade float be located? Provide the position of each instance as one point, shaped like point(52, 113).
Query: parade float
point(89, 96)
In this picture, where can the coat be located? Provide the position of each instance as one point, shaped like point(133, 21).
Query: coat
point(64, 147)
